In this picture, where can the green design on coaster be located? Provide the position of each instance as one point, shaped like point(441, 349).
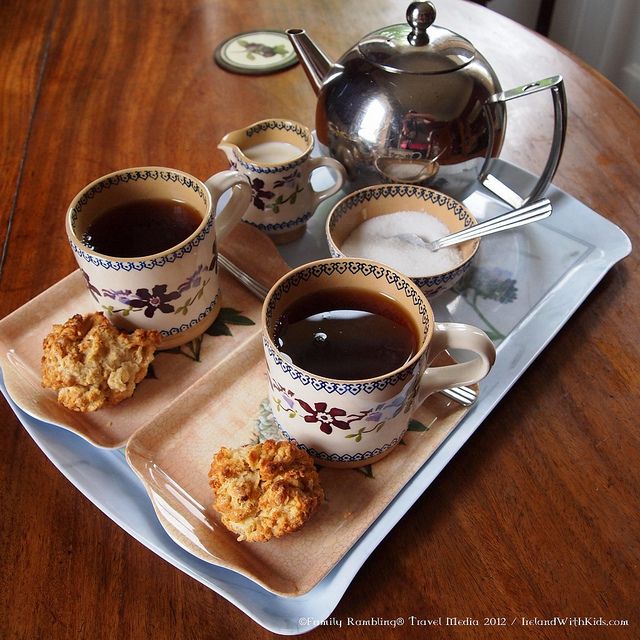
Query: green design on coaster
point(256, 52)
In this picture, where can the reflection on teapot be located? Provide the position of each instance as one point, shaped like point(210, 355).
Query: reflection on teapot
point(421, 89)
point(409, 170)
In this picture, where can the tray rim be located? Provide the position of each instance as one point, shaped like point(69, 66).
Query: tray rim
point(278, 614)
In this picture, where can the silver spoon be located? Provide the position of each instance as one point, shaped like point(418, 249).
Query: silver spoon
point(523, 215)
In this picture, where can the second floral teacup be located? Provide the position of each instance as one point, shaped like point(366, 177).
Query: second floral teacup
point(275, 155)
point(349, 345)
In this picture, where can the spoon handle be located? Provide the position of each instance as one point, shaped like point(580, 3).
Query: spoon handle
point(523, 215)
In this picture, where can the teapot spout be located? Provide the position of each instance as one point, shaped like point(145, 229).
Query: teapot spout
point(315, 62)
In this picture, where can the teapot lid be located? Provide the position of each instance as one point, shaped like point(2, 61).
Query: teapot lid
point(417, 47)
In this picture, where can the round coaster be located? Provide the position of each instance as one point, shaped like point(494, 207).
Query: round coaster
point(256, 52)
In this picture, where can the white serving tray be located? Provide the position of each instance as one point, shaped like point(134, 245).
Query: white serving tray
point(528, 283)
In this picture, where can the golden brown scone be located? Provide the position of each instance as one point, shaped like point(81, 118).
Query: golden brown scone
point(265, 490)
point(91, 363)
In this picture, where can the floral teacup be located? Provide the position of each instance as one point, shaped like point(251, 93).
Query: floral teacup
point(351, 423)
point(176, 291)
point(276, 157)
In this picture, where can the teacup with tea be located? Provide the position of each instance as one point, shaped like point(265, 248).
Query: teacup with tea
point(146, 241)
point(275, 155)
point(349, 345)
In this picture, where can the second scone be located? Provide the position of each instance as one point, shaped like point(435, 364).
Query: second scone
point(265, 490)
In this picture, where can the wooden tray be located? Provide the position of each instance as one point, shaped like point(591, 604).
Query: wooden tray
point(199, 397)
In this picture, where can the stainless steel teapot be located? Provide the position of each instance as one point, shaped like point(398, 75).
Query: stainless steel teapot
point(417, 103)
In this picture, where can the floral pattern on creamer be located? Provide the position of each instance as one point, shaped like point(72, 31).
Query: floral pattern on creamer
point(286, 191)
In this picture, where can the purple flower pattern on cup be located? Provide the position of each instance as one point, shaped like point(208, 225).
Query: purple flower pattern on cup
point(329, 418)
point(119, 295)
point(325, 417)
point(156, 299)
point(192, 281)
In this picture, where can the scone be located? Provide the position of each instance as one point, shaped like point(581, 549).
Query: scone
point(266, 490)
point(91, 363)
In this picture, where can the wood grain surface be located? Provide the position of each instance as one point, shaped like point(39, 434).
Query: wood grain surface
point(537, 516)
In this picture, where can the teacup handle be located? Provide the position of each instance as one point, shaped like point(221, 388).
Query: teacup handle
point(339, 177)
point(238, 203)
point(454, 335)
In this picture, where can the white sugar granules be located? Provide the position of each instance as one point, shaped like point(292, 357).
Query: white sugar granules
point(390, 239)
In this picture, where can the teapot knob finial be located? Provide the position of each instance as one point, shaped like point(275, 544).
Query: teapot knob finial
point(420, 16)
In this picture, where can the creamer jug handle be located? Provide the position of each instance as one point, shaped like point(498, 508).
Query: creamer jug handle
point(555, 84)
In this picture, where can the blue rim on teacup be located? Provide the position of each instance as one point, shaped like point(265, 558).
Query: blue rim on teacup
point(303, 277)
point(85, 197)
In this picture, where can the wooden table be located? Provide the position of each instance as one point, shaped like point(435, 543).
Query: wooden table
point(537, 516)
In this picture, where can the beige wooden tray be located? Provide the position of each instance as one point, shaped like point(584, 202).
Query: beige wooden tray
point(227, 408)
point(173, 374)
point(207, 394)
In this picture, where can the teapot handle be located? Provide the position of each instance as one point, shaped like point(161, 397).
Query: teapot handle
point(556, 85)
